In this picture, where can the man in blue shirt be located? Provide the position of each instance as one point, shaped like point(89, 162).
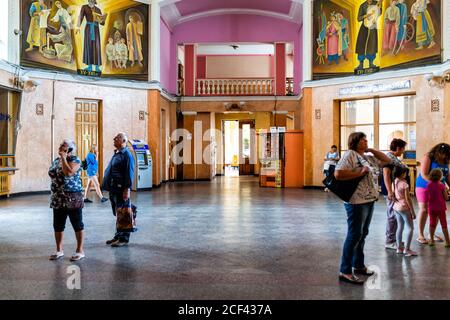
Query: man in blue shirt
point(117, 180)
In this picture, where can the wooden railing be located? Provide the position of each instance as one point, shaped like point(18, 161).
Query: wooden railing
point(7, 167)
point(235, 87)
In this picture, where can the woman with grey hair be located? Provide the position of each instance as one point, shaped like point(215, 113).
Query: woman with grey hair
point(67, 198)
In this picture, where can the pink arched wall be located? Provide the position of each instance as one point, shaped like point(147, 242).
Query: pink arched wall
point(228, 28)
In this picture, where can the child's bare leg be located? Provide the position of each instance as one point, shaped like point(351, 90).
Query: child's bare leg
point(432, 230)
point(445, 232)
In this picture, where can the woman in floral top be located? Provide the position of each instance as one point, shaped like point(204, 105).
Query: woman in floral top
point(67, 198)
point(355, 164)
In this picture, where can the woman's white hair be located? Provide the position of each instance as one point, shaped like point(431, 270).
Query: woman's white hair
point(71, 144)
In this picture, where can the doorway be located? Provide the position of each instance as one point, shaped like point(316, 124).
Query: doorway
point(88, 124)
point(239, 141)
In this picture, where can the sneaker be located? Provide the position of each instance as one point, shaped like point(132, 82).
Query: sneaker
point(400, 251)
point(104, 199)
point(57, 255)
point(87, 200)
point(77, 256)
point(119, 243)
point(410, 253)
point(392, 246)
point(108, 242)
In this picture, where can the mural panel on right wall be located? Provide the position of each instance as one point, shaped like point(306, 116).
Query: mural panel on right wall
point(356, 37)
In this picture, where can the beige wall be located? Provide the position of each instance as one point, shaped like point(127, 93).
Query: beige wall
point(239, 67)
point(33, 156)
point(432, 127)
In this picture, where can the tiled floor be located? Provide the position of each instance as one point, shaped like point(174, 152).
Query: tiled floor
point(226, 239)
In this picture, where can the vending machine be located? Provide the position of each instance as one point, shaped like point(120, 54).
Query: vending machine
point(143, 174)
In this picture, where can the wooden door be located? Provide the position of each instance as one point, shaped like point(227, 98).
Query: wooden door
point(247, 147)
point(293, 159)
point(87, 128)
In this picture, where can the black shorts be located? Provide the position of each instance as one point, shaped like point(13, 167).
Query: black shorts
point(60, 217)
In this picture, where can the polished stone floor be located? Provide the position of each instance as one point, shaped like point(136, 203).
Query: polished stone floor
point(226, 239)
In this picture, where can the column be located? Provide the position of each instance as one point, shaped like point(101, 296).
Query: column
point(189, 70)
point(13, 39)
point(280, 69)
point(307, 40)
point(155, 41)
point(154, 133)
point(446, 30)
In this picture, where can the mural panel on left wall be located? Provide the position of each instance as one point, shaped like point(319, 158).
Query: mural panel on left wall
point(101, 38)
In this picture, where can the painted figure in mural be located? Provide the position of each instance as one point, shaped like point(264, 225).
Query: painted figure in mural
point(92, 52)
point(37, 35)
point(122, 54)
point(367, 42)
point(334, 39)
point(424, 25)
point(345, 35)
point(64, 49)
point(134, 33)
point(391, 26)
point(401, 34)
point(62, 16)
point(111, 53)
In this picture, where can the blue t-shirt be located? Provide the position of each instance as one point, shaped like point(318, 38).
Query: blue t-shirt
point(422, 183)
point(92, 164)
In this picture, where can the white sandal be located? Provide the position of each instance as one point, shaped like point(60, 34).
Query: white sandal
point(77, 256)
point(57, 255)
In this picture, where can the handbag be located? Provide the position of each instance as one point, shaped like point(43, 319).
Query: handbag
point(344, 189)
point(74, 200)
point(125, 217)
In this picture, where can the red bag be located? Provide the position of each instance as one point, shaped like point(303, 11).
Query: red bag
point(125, 218)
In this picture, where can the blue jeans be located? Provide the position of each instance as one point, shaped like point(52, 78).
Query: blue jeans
point(116, 199)
point(358, 221)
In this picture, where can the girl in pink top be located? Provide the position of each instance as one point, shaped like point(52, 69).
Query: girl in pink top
point(436, 205)
point(404, 211)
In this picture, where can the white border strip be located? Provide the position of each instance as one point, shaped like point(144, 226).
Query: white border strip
point(382, 75)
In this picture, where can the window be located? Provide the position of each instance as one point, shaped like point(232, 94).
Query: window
point(381, 119)
point(9, 124)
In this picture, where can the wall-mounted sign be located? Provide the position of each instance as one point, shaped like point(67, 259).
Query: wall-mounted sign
point(39, 109)
point(5, 117)
point(355, 37)
point(435, 105)
point(318, 114)
point(374, 88)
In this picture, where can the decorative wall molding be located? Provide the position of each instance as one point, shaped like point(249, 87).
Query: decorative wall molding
point(73, 78)
point(384, 75)
point(231, 11)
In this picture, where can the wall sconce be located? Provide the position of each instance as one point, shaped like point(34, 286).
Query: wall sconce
point(25, 83)
point(438, 78)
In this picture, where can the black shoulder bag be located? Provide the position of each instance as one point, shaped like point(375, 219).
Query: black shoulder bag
point(344, 189)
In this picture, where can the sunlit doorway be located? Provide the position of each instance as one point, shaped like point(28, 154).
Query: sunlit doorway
point(231, 146)
point(238, 147)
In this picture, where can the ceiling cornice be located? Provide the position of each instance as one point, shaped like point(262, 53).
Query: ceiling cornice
point(230, 11)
